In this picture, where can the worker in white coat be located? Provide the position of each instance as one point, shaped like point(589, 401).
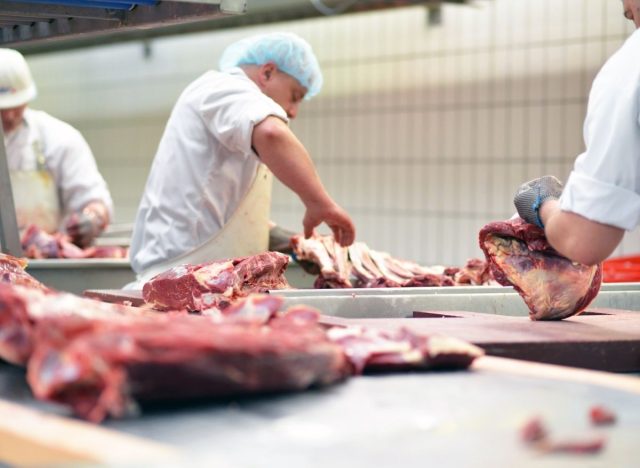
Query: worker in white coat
point(586, 219)
point(54, 178)
point(208, 193)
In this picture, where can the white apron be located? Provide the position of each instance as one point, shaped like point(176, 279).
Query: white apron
point(246, 232)
point(35, 195)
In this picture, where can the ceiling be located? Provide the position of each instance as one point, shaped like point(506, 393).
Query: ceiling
point(37, 26)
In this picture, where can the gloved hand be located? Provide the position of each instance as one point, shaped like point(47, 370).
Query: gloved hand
point(84, 226)
point(531, 195)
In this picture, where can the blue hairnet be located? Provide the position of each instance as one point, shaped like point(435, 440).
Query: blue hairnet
point(289, 52)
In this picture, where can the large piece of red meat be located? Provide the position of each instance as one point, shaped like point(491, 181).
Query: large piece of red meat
point(102, 368)
point(12, 272)
point(552, 286)
point(21, 308)
point(214, 285)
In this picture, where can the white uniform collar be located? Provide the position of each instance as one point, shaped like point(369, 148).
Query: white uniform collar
point(240, 73)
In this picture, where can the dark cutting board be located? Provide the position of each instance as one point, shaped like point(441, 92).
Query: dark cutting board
point(602, 339)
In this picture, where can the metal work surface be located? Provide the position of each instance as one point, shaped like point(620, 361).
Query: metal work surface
point(401, 302)
point(78, 275)
point(606, 287)
point(439, 419)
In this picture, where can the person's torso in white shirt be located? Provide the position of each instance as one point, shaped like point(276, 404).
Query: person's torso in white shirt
point(203, 167)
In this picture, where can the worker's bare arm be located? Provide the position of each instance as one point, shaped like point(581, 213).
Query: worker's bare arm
point(577, 237)
point(290, 162)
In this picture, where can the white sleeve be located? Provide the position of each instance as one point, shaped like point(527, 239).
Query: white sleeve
point(77, 177)
point(232, 115)
point(604, 185)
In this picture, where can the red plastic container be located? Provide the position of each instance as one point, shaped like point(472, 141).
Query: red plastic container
point(625, 269)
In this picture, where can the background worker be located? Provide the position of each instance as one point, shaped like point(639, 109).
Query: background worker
point(54, 177)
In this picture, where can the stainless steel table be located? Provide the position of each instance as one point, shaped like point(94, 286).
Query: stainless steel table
point(443, 419)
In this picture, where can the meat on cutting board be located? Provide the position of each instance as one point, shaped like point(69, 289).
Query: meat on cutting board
point(379, 350)
point(215, 285)
point(362, 267)
point(552, 286)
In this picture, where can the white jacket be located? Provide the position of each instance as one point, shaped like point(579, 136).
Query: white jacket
point(604, 185)
point(67, 157)
point(203, 167)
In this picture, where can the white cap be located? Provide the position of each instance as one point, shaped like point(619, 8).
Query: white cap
point(16, 84)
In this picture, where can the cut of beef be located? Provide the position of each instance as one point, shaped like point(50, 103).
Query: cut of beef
point(21, 308)
point(601, 415)
point(12, 272)
point(475, 272)
point(552, 286)
point(107, 251)
point(331, 258)
point(361, 267)
point(379, 350)
point(39, 244)
point(101, 368)
point(535, 435)
point(214, 285)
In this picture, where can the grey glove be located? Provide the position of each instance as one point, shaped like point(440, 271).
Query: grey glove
point(531, 195)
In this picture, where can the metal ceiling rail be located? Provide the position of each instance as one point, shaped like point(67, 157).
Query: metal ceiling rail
point(111, 4)
point(38, 21)
point(36, 28)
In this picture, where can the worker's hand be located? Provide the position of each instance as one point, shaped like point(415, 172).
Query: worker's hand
point(84, 226)
point(531, 195)
point(335, 217)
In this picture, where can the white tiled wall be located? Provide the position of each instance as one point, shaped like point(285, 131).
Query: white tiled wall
point(422, 132)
